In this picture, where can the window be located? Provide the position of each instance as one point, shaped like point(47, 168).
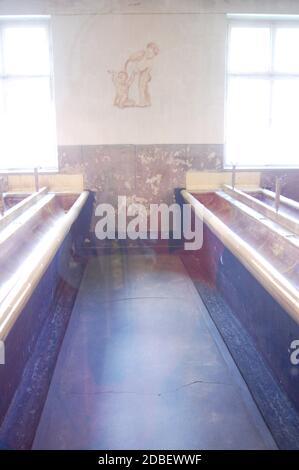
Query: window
point(27, 115)
point(262, 109)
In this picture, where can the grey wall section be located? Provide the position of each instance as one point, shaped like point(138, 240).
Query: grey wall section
point(149, 173)
point(144, 173)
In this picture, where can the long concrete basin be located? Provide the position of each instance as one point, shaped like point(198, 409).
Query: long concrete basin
point(31, 232)
point(268, 250)
point(252, 262)
point(263, 201)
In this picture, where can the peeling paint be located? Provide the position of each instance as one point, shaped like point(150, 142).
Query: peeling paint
point(144, 173)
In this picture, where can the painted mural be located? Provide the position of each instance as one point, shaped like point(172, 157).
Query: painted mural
point(132, 81)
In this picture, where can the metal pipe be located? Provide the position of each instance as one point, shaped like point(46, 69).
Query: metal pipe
point(234, 176)
point(277, 193)
point(2, 202)
point(36, 182)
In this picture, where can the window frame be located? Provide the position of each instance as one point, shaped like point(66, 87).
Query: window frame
point(273, 22)
point(29, 21)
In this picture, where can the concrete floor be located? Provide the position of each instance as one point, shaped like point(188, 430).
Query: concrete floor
point(142, 366)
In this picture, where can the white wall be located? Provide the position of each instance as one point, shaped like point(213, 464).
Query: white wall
point(187, 88)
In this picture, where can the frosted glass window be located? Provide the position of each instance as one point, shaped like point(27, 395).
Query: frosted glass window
point(287, 50)
point(262, 109)
point(27, 114)
point(248, 119)
point(250, 50)
point(285, 119)
point(25, 51)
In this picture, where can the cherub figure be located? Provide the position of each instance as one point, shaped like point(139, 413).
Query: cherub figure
point(122, 82)
point(141, 63)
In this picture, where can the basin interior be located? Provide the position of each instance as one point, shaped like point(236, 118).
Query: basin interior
point(279, 250)
point(12, 199)
point(65, 200)
point(26, 237)
point(284, 208)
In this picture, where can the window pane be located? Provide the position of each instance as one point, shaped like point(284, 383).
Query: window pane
point(285, 119)
point(286, 57)
point(248, 111)
point(1, 58)
point(2, 122)
point(249, 50)
point(25, 50)
point(27, 122)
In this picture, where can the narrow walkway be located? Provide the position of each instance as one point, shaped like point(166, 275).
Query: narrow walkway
point(142, 366)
